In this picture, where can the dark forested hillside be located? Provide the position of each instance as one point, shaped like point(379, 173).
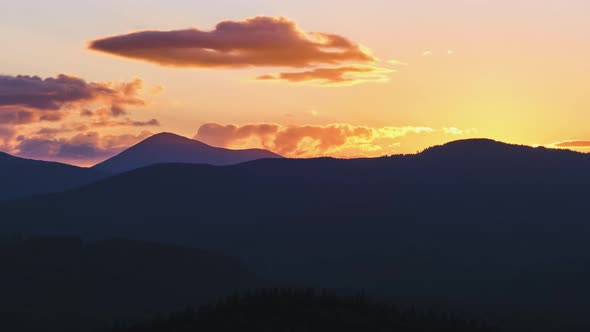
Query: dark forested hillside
point(472, 223)
point(24, 177)
point(62, 284)
point(282, 310)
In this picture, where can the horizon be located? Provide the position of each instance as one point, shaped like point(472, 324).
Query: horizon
point(474, 139)
point(405, 76)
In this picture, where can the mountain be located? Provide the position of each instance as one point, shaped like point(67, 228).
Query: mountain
point(497, 154)
point(171, 148)
point(65, 284)
point(24, 177)
point(472, 223)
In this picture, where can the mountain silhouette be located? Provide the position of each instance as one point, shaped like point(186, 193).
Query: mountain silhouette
point(490, 153)
point(25, 177)
point(471, 223)
point(171, 148)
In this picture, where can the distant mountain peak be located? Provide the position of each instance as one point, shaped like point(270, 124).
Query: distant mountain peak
point(167, 137)
point(475, 141)
point(171, 148)
point(491, 153)
point(474, 145)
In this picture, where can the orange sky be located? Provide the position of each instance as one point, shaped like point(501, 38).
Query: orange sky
point(305, 78)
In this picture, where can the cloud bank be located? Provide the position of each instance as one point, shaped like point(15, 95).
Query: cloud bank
point(342, 140)
point(36, 114)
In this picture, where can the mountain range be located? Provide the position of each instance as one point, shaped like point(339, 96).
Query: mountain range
point(471, 224)
point(24, 177)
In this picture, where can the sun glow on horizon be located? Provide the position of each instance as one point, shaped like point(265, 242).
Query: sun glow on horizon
point(450, 67)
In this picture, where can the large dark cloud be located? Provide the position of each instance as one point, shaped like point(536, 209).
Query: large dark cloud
point(55, 93)
point(258, 41)
point(29, 99)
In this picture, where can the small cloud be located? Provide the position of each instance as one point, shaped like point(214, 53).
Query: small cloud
point(157, 89)
point(450, 52)
point(397, 62)
point(337, 76)
point(427, 53)
point(457, 131)
point(580, 144)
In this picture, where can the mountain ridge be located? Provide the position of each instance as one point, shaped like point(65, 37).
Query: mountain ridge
point(495, 230)
point(21, 177)
point(171, 148)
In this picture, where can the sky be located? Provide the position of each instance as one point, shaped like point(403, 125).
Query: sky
point(82, 80)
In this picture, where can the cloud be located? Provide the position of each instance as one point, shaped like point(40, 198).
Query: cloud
point(16, 116)
point(457, 131)
point(126, 123)
point(397, 63)
point(6, 134)
point(82, 149)
point(337, 76)
point(54, 93)
point(64, 128)
point(28, 104)
point(30, 99)
point(80, 126)
point(309, 141)
point(573, 144)
point(257, 41)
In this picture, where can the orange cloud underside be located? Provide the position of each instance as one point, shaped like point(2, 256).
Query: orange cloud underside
point(340, 140)
point(337, 76)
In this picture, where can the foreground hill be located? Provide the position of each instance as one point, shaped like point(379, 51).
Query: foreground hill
point(63, 284)
point(469, 223)
point(305, 311)
point(171, 148)
point(25, 177)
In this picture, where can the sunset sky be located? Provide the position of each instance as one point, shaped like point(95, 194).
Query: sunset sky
point(81, 80)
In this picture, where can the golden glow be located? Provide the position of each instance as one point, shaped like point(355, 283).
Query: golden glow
point(513, 71)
